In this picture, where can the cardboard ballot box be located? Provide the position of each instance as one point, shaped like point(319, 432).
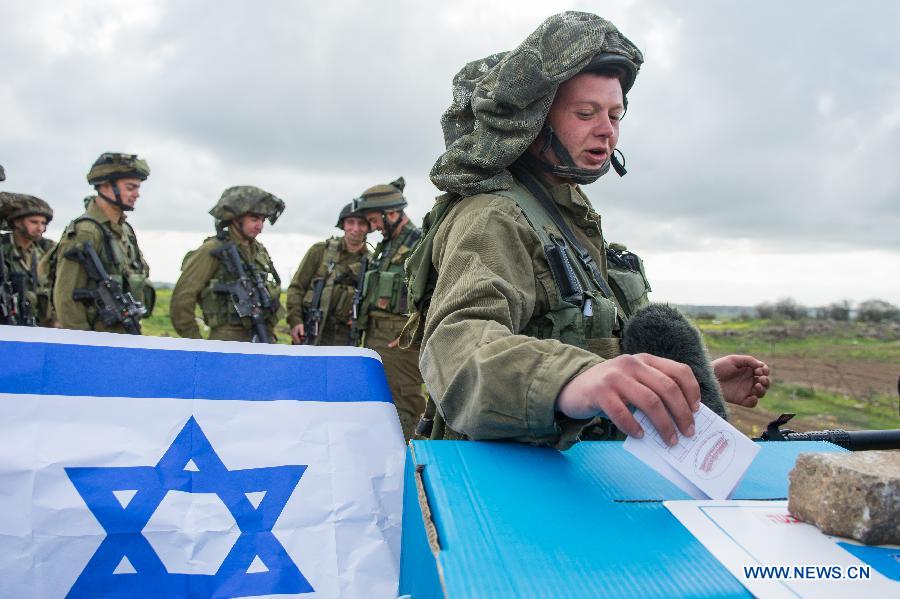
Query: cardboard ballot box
point(511, 520)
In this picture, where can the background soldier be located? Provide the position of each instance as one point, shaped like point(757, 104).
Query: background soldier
point(209, 279)
point(117, 180)
point(525, 301)
point(322, 291)
point(23, 247)
point(384, 308)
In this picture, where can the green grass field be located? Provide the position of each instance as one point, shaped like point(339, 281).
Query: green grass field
point(831, 374)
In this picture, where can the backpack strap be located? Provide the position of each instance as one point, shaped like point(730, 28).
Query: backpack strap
point(107, 238)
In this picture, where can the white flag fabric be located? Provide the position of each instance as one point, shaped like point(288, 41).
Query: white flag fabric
point(152, 467)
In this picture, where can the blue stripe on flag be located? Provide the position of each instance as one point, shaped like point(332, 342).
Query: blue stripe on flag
point(86, 370)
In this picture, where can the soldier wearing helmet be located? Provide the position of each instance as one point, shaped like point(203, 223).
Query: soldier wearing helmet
point(23, 247)
point(239, 217)
point(117, 179)
point(385, 303)
point(321, 292)
point(519, 302)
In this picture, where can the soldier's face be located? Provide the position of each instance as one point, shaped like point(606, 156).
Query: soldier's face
point(376, 223)
point(31, 227)
point(129, 191)
point(585, 116)
point(250, 225)
point(356, 229)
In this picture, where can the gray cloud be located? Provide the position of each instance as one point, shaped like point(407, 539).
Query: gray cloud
point(773, 122)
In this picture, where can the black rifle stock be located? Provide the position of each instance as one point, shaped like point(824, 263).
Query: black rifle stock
point(114, 305)
point(852, 440)
point(353, 339)
point(249, 294)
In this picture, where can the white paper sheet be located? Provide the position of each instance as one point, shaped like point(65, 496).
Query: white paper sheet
point(708, 465)
point(746, 536)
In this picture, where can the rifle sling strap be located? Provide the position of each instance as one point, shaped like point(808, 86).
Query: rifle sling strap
point(549, 206)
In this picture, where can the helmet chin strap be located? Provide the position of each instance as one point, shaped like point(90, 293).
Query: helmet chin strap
point(118, 201)
point(567, 169)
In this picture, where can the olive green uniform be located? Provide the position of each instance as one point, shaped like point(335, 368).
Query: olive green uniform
point(24, 264)
point(385, 312)
point(121, 257)
point(492, 352)
point(200, 272)
point(332, 262)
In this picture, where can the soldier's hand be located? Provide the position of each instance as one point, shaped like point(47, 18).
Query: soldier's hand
point(743, 379)
point(665, 390)
point(297, 334)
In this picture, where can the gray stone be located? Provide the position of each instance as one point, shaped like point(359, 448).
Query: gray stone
point(855, 495)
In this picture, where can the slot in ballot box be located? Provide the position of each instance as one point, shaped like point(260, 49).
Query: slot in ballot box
point(495, 520)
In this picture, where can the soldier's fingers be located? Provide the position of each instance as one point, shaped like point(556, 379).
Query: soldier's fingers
point(650, 403)
point(617, 411)
point(681, 375)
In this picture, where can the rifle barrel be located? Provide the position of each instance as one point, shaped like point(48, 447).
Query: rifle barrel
point(852, 440)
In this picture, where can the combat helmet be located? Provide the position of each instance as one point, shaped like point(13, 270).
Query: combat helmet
point(17, 205)
point(243, 199)
point(346, 212)
point(2, 173)
point(501, 102)
point(111, 166)
point(383, 199)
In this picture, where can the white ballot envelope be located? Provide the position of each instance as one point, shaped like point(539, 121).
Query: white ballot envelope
point(708, 465)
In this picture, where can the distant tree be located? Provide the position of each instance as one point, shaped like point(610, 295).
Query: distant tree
point(875, 310)
point(835, 311)
point(790, 309)
point(765, 310)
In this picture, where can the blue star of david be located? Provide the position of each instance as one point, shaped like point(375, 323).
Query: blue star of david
point(123, 525)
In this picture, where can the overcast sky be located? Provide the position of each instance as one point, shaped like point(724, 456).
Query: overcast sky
point(762, 138)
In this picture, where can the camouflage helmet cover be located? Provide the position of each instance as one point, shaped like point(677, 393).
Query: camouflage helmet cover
point(247, 199)
point(110, 166)
point(500, 102)
point(382, 197)
point(17, 205)
point(347, 211)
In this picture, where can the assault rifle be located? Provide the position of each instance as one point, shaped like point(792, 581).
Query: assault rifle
point(26, 310)
point(852, 440)
point(114, 306)
point(357, 301)
point(249, 294)
point(312, 320)
point(9, 298)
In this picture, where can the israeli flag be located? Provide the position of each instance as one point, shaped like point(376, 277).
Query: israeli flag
point(153, 467)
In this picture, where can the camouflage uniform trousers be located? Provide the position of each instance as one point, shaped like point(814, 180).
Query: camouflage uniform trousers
point(400, 366)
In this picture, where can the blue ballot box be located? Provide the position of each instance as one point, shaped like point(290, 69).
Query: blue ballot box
point(511, 520)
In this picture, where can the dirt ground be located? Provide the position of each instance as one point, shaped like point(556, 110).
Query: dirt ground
point(857, 378)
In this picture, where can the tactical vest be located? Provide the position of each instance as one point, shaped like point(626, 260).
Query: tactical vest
point(385, 286)
point(590, 314)
point(586, 311)
point(217, 307)
point(122, 261)
point(337, 293)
